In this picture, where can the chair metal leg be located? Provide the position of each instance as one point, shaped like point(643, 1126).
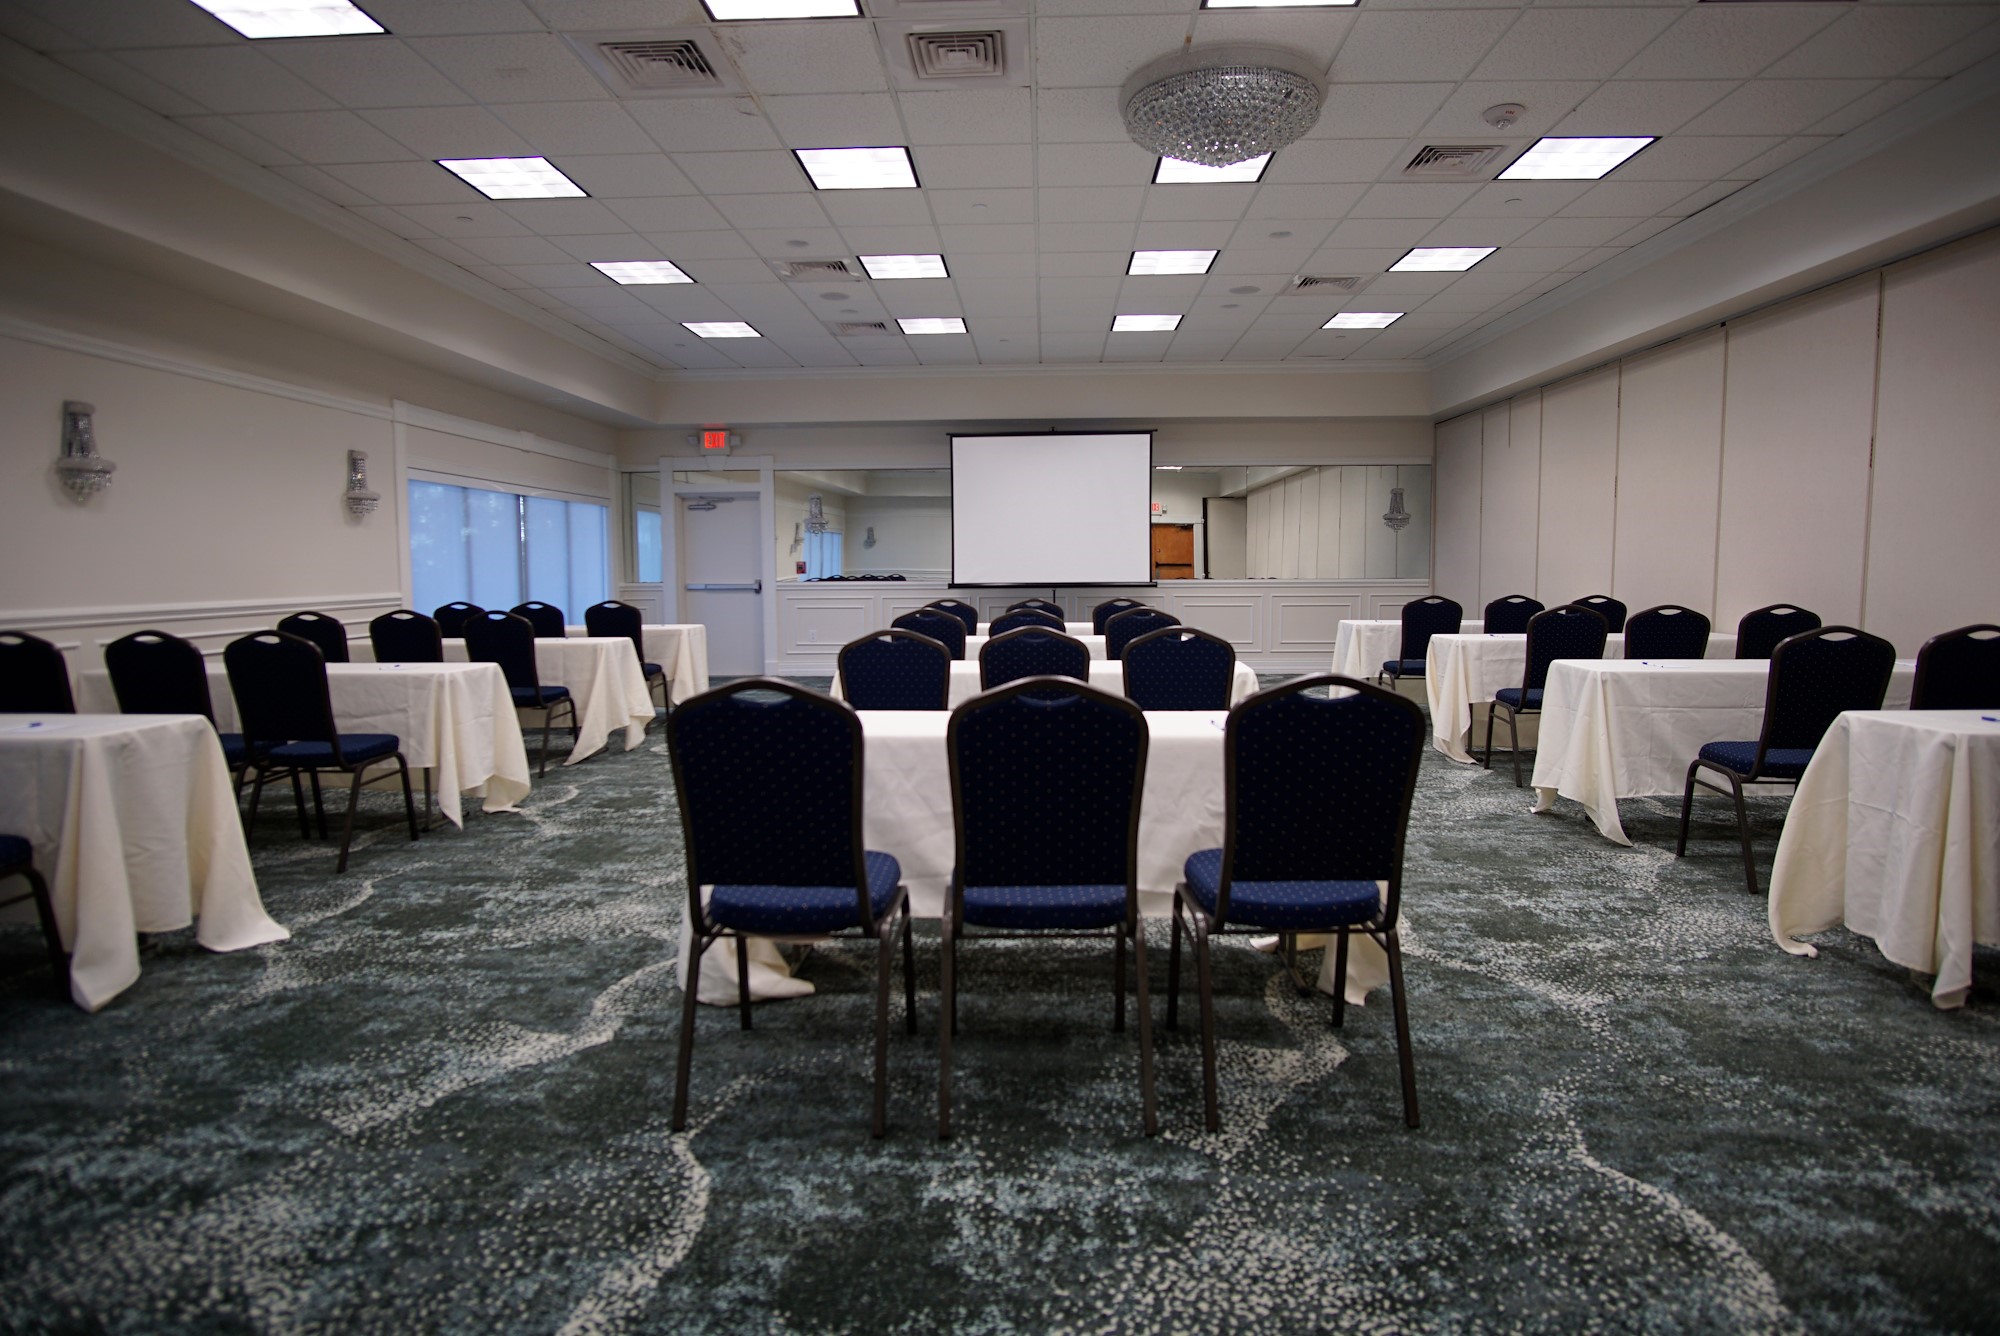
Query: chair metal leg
point(1174, 968)
point(1204, 977)
point(548, 718)
point(319, 804)
point(689, 987)
point(427, 797)
point(1514, 742)
point(1340, 979)
point(409, 807)
point(948, 1004)
point(1486, 761)
point(1118, 985)
point(347, 826)
point(743, 979)
point(1288, 945)
point(1687, 809)
point(256, 792)
point(1400, 1003)
point(885, 957)
point(1147, 1099)
point(45, 911)
point(909, 975)
point(299, 801)
point(1743, 833)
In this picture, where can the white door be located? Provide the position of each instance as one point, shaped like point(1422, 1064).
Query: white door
point(722, 579)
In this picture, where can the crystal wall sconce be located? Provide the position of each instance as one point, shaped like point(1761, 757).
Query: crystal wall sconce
point(1398, 518)
point(360, 501)
point(82, 471)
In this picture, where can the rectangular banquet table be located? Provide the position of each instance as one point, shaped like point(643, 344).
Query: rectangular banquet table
point(1895, 831)
point(681, 650)
point(1104, 675)
point(454, 718)
point(1093, 643)
point(1463, 671)
point(1628, 728)
point(906, 811)
point(1363, 645)
point(134, 825)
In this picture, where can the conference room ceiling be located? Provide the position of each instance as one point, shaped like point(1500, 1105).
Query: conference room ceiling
point(1028, 185)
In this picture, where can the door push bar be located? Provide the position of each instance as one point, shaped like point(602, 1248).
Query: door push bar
point(754, 587)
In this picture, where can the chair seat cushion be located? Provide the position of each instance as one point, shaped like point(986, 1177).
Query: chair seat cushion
point(1511, 698)
point(1779, 762)
point(1404, 667)
point(15, 851)
point(1045, 906)
point(235, 750)
point(549, 695)
point(787, 910)
point(1281, 904)
point(353, 746)
point(652, 670)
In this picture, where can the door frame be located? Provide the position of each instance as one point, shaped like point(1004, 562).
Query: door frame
point(672, 493)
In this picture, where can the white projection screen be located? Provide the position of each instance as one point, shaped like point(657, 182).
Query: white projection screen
point(1058, 508)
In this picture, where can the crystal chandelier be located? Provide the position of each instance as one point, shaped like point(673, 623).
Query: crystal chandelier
point(82, 471)
point(1398, 518)
point(1222, 104)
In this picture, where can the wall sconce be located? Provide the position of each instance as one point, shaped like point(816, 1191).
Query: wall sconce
point(81, 470)
point(1398, 518)
point(360, 501)
point(869, 541)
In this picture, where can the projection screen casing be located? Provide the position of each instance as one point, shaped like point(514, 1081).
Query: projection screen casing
point(1059, 508)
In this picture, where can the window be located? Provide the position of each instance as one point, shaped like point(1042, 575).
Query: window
point(497, 549)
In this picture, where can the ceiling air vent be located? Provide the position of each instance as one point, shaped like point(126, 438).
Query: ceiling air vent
point(1313, 282)
point(655, 65)
point(1454, 162)
point(660, 62)
point(817, 271)
point(958, 55)
point(851, 327)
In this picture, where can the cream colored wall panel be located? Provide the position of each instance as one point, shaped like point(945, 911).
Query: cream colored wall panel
point(1310, 484)
point(1413, 541)
point(1511, 498)
point(1237, 618)
point(1380, 563)
point(1455, 544)
point(1579, 482)
point(1307, 623)
point(1797, 412)
point(1328, 565)
point(487, 462)
point(1669, 463)
point(820, 623)
point(1353, 522)
point(1291, 503)
point(1934, 545)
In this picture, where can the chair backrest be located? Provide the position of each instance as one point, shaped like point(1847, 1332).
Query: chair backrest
point(1318, 788)
point(1045, 781)
point(1563, 632)
point(406, 636)
point(1607, 607)
point(613, 619)
point(1020, 617)
point(895, 669)
point(1129, 625)
point(451, 618)
point(279, 682)
point(546, 618)
point(1428, 617)
point(508, 639)
point(153, 672)
point(1179, 668)
point(755, 736)
point(942, 627)
point(1108, 609)
point(959, 608)
point(329, 633)
point(1666, 632)
point(1759, 632)
point(1959, 670)
point(1054, 610)
point(1817, 674)
point(1031, 651)
point(1510, 615)
point(34, 679)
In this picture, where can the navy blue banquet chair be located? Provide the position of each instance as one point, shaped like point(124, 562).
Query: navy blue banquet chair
point(1317, 800)
point(807, 876)
point(155, 673)
point(1668, 631)
point(279, 682)
point(451, 618)
point(546, 618)
point(1605, 606)
point(1108, 609)
point(1020, 617)
point(895, 670)
point(1564, 632)
point(942, 627)
point(508, 639)
point(1815, 676)
point(1046, 776)
point(1129, 625)
point(1509, 616)
point(1054, 610)
point(406, 636)
point(959, 608)
point(1179, 668)
point(17, 859)
point(329, 633)
point(34, 679)
point(1959, 670)
point(1031, 651)
point(1422, 619)
point(615, 620)
point(1760, 631)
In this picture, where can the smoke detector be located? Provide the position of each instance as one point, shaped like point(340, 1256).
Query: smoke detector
point(1502, 115)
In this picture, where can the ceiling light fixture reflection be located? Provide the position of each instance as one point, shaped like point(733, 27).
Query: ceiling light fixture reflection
point(933, 324)
point(291, 18)
point(1143, 324)
point(886, 168)
point(1363, 320)
point(905, 266)
point(640, 271)
point(1170, 262)
point(720, 329)
point(1572, 159)
point(1432, 259)
point(513, 178)
point(1173, 172)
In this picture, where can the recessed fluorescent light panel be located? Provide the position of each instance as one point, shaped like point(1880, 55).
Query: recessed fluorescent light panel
point(933, 324)
point(1275, 4)
point(904, 266)
point(1572, 159)
point(859, 168)
point(512, 178)
point(1170, 262)
point(1363, 320)
point(733, 11)
point(291, 18)
point(1173, 172)
point(1434, 258)
point(1143, 324)
point(640, 271)
point(720, 329)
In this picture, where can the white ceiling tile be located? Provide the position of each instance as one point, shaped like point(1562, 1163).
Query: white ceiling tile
point(1597, 257)
point(870, 240)
point(729, 272)
point(601, 296)
point(921, 297)
point(1265, 233)
point(1325, 202)
point(881, 352)
point(517, 250)
point(970, 116)
point(986, 238)
point(982, 206)
point(229, 79)
point(450, 132)
point(1572, 43)
point(36, 33)
point(1061, 346)
point(1092, 264)
point(1727, 41)
point(1786, 153)
point(1194, 346)
point(671, 213)
point(471, 218)
point(1069, 305)
point(121, 78)
point(405, 182)
point(1408, 46)
point(1411, 201)
point(1235, 265)
point(1487, 283)
point(743, 173)
point(1159, 294)
point(704, 124)
point(1315, 32)
point(996, 297)
point(1099, 52)
point(1013, 266)
point(560, 128)
point(1196, 202)
point(794, 210)
point(1460, 119)
point(1475, 231)
point(368, 72)
point(684, 301)
point(423, 18)
point(1212, 235)
point(1093, 165)
point(1777, 106)
point(604, 15)
point(112, 26)
point(1644, 106)
point(1085, 204)
point(677, 246)
point(1568, 232)
point(876, 208)
point(1531, 200)
point(1864, 109)
point(1078, 115)
point(626, 175)
point(568, 274)
point(1333, 160)
point(1712, 193)
point(1372, 233)
point(550, 216)
point(226, 131)
point(1651, 227)
point(1348, 259)
point(945, 350)
point(975, 166)
point(808, 57)
point(1694, 157)
point(1409, 285)
point(1137, 347)
point(511, 67)
point(1532, 259)
point(836, 120)
point(325, 136)
point(1959, 55)
point(1084, 236)
point(495, 275)
point(754, 353)
point(1377, 111)
point(317, 181)
point(782, 243)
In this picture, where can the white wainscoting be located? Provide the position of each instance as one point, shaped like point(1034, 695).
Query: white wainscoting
point(1275, 625)
point(82, 633)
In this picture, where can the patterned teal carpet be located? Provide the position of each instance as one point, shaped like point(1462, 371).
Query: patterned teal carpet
point(443, 1106)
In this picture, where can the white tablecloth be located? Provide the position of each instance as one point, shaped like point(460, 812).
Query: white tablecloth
point(1081, 630)
point(1093, 643)
point(603, 673)
point(1895, 831)
point(1104, 675)
point(1620, 728)
point(906, 811)
point(1462, 672)
point(1361, 647)
point(456, 718)
point(134, 826)
point(681, 650)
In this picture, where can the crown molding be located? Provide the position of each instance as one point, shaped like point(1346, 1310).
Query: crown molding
point(1046, 370)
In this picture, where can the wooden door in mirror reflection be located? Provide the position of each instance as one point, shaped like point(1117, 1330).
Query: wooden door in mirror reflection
point(1173, 552)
